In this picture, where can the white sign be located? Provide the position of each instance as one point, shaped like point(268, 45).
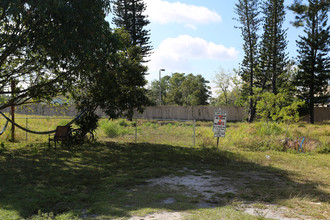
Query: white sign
point(219, 123)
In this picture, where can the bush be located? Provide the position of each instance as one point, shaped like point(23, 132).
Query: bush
point(123, 123)
point(324, 150)
point(111, 129)
point(268, 129)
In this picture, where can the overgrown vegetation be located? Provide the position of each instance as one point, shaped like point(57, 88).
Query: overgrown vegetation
point(109, 180)
point(258, 136)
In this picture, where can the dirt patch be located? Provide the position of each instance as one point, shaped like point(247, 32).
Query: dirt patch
point(205, 185)
point(160, 216)
point(272, 211)
point(210, 185)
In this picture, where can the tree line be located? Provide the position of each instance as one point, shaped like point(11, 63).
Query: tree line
point(265, 67)
point(67, 47)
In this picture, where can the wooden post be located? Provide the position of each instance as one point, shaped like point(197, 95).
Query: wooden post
point(217, 141)
point(12, 108)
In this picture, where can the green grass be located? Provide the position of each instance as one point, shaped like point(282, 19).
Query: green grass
point(258, 136)
point(107, 179)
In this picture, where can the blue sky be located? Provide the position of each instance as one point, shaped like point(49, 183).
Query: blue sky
point(199, 37)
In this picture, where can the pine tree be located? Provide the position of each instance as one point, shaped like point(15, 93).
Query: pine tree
point(247, 11)
point(273, 46)
point(128, 14)
point(314, 64)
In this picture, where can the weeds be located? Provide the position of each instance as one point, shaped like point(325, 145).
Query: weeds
point(108, 180)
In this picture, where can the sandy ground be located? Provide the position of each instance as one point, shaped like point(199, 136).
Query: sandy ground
point(207, 185)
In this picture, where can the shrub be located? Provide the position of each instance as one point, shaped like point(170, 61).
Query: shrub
point(123, 123)
point(324, 150)
point(268, 129)
point(111, 129)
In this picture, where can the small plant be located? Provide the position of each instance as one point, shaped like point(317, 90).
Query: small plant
point(324, 150)
point(111, 129)
point(276, 107)
point(269, 129)
point(123, 123)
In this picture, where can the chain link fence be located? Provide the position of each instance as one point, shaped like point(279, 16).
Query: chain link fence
point(172, 132)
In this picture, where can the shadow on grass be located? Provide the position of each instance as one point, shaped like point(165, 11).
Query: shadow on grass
point(108, 179)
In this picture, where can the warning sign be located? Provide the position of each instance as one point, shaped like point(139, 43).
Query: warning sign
point(219, 123)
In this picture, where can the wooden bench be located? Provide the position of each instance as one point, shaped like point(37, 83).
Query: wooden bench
point(61, 134)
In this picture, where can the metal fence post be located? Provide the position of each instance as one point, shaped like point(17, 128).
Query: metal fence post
point(194, 132)
point(26, 125)
point(136, 130)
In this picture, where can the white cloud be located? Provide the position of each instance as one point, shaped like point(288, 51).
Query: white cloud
point(178, 54)
point(191, 26)
point(164, 12)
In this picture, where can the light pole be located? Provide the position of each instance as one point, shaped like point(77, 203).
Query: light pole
point(160, 86)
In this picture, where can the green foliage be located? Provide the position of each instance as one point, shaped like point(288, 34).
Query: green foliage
point(117, 87)
point(114, 129)
point(46, 45)
point(129, 15)
point(313, 76)
point(229, 89)
point(273, 57)
point(269, 129)
point(180, 89)
point(277, 107)
point(88, 121)
point(111, 129)
point(248, 16)
point(324, 150)
point(123, 123)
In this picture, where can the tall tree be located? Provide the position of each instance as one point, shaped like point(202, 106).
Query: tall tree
point(45, 44)
point(314, 65)
point(153, 91)
point(174, 95)
point(128, 14)
point(195, 90)
point(273, 45)
point(223, 82)
point(118, 86)
point(65, 46)
point(248, 12)
point(181, 89)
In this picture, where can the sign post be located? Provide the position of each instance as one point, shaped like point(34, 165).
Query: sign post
point(219, 124)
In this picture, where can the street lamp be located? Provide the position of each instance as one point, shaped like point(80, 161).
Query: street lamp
point(160, 86)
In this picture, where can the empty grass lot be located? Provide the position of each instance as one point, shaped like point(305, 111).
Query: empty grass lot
point(255, 173)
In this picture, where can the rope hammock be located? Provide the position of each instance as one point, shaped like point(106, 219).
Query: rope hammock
point(37, 132)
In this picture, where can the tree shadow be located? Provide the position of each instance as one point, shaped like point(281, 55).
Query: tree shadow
point(109, 179)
